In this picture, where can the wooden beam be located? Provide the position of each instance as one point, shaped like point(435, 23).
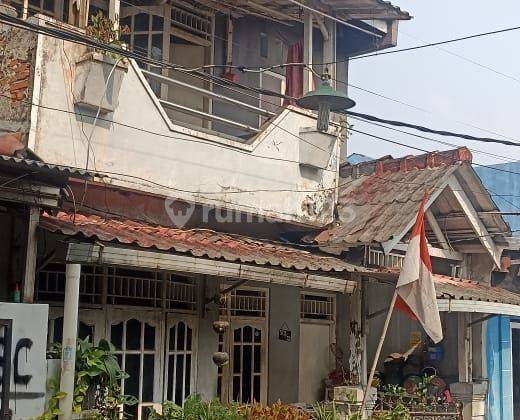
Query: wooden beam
point(447, 254)
point(432, 221)
point(31, 255)
point(475, 221)
point(464, 338)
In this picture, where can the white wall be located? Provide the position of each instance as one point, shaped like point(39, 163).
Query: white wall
point(177, 157)
point(28, 363)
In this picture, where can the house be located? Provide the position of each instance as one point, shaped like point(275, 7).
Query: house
point(202, 186)
point(377, 204)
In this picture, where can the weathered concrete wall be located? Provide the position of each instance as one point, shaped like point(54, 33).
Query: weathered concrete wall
point(17, 55)
point(173, 160)
point(284, 355)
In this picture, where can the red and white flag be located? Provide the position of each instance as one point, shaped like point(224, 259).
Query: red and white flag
point(416, 295)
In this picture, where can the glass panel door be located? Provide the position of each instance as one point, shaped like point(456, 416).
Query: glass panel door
point(136, 338)
point(181, 359)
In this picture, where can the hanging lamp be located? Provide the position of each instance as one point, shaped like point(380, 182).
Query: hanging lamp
point(324, 100)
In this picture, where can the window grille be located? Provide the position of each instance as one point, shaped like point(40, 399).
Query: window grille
point(191, 19)
point(245, 302)
point(314, 306)
point(378, 258)
point(50, 284)
point(124, 286)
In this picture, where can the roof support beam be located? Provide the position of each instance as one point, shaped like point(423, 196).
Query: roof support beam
point(474, 219)
point(432, 221)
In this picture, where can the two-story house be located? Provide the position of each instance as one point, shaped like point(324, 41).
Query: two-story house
point(205, 178)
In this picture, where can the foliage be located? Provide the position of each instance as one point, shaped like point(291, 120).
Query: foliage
point(101, 29)
point(325, 412)
point(96, 382)
point(397, 412)
point(196, 409)
point(277, 411)
point(53, 410)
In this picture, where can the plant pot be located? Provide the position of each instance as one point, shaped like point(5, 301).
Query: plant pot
point(97, 82)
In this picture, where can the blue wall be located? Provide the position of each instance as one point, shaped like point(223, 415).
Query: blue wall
point(503, 187)
point(499, 367)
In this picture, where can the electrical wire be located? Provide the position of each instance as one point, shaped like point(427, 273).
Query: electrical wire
point(271, 93)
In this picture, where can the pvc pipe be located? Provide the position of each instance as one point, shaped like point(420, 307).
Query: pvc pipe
point(70, 334)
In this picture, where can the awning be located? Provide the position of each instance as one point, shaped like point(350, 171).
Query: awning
point(462, 295)
point(202, 251)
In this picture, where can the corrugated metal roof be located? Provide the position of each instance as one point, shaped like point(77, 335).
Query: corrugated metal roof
point(59, 170)
point(461, 289)
point(197, 242)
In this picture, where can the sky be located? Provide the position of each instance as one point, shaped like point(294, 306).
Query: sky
point(453, 93)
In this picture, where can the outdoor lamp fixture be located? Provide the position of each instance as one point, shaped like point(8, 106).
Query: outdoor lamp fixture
point(324, 100)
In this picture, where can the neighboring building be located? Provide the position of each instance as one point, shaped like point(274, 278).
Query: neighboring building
point(503, 182)
point(377, 205)
point(356, 158)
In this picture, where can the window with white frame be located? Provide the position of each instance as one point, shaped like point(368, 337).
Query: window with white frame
point(314, 306)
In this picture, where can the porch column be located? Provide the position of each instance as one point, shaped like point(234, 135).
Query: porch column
point(70, 334)
point(307, 51)
point(465, 347)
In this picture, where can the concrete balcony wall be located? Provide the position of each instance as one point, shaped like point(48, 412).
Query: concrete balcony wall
point(160, 157)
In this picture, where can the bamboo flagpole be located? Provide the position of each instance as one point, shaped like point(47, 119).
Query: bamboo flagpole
point(378, 352)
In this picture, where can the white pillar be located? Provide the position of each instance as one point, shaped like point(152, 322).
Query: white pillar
point(307, 51)
point(113, 12)
point(70, 333)
point(329, 50)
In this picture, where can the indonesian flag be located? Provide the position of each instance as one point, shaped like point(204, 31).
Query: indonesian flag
point(416, 295)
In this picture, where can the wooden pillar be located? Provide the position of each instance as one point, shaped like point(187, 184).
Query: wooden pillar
point(307, 51)
point(31, 255)
point(83, 13)
point(465, 347)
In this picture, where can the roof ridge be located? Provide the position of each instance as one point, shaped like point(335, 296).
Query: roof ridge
point(434, 159)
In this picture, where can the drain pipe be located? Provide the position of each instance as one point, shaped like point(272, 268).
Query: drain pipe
point(70, 334)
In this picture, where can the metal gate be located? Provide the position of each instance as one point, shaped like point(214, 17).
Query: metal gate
point(6, 337)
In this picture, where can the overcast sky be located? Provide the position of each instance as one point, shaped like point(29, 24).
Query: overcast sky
point(457, 93)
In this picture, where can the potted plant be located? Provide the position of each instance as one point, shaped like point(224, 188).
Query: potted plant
point(99, 74)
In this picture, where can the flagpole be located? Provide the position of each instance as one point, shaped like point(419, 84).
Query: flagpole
point(378, 352)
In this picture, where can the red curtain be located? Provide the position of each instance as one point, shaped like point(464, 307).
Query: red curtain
point(294, 74)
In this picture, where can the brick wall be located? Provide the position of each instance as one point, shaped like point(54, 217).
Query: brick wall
point(17, 53)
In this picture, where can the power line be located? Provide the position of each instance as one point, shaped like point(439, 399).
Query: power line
point(430, 130)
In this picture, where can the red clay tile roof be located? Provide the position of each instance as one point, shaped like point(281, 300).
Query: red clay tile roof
point(377, 199)
point(197, 242)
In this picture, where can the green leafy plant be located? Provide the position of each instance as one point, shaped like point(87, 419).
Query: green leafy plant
point(324, 411)
point(97, 393)
point(102, 29)
point(197, 409)
point(398, 412)
point(52, 411)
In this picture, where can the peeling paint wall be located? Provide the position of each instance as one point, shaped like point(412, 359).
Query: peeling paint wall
point(17, 54)
point(149, 153)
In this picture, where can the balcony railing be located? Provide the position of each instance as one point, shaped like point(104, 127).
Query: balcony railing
point(242, 111)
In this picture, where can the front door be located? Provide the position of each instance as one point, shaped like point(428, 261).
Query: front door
point(181, 357)
point(136, 336)
point(244, 379)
